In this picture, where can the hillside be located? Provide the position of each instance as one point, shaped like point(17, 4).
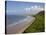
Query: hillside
point(37, 25)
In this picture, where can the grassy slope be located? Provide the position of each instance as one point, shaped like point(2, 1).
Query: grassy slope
point(37, 25)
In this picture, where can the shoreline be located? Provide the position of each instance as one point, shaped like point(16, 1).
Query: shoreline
point(23, 20)
point(19, 28)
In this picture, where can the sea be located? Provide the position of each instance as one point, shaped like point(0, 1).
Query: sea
point(10, 19)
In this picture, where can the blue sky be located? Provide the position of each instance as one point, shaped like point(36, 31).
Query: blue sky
point(17, 7)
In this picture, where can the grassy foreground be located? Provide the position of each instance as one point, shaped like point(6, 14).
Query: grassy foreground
point(37, 25)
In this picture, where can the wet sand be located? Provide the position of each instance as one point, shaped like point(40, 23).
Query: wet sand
point(19, 28)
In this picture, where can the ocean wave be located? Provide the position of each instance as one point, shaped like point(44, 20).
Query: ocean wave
point(21, 21)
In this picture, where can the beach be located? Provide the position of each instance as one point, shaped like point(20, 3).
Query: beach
point(20, 26)
point(24, 17)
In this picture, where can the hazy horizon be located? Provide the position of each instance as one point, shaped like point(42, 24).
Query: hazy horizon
point(17, 7)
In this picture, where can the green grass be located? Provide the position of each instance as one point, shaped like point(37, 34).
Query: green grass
point(37, 25)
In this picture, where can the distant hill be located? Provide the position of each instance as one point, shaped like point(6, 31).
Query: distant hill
point(41, 12)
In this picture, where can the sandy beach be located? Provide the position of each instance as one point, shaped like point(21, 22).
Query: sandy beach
point(21, 26)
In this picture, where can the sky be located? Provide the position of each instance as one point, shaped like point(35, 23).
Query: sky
point(18, 8)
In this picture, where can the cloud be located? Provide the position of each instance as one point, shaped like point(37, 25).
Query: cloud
point(34, 6)
point(30, 10)
point(33, 10)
